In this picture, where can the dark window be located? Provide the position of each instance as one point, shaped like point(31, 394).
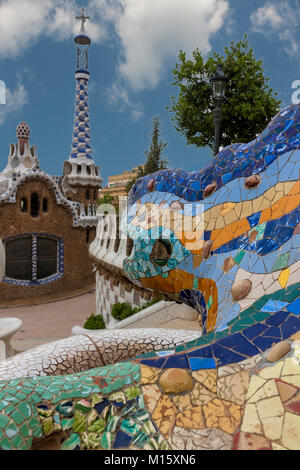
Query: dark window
point(25, 264)
point(34, 207)
point(18, 258)
point(78, 169)
point(23, 204)
point(95, 194)
point(88, 170)
point(87, 235)
point(45, 205)
point(87, 194)
point(46, 257)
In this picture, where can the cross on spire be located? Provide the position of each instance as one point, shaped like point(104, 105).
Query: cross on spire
point(82, 18)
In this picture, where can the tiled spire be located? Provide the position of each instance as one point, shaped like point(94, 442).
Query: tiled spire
point(80, 168)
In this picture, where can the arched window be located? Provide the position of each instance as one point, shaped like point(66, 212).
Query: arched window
point(87, 194)
point(34, 206)
point(36, 258)
point(87, 235)
point(45, 205)
point(18, 258)
point(23, 204)
point(88, 170)
point(78, 169)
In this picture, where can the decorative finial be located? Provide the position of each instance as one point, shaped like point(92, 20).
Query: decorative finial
point(83, 20)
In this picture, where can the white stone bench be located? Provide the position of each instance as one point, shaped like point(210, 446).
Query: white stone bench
point(8, 327)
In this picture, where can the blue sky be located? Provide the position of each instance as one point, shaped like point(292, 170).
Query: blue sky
point(134, 49)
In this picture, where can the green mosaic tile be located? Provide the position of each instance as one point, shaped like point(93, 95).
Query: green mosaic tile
point(10, 409)
point(33, 422)
point(11, 430)
point(113, 424)
point(132, 392)
point(260, 316)
point(18, 417)
point(281, 262)
point(47, 426)
point(90, 440)
point(72, 442)
point(67, 423)
point(4, 420)
point(107, 440)
point(98, 426)
point(37, 432)
point(130, 427)
point(5, 444)
point(25, 431)
point(25, 409)
point(80, 422)
point(3, 404)
point(140, 440)
point(241, 324)
point(17, 442)
point(238, 258)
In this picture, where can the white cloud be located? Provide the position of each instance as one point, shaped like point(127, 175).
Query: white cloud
point(152, 32)
point(280, 20)
point(119, 98)
point(22, 22)
point(15, 101)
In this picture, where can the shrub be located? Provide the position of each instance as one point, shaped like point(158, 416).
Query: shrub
point(122, 310)
point(94, 322)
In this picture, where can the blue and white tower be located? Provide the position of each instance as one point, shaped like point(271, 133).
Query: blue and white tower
point(80, 168)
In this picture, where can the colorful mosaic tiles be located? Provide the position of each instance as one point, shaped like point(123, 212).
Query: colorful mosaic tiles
point(209, 238)
point(237, 262)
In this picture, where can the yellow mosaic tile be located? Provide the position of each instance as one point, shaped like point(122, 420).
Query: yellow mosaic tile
point(269, 408)
point(291, 431)
point(208, 378)
point(255, 384)
point(201, 395)
point(234, 387)
point(223, 415)
point(273, 427)
point(149, 374)
point(191, 419)
point(272, 372)
point(183, 402)
point(164, 415)
point(266, 391)
point(251, 422)
point(151, 394)
point(284, 277)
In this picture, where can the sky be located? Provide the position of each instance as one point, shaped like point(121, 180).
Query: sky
point(135, 46)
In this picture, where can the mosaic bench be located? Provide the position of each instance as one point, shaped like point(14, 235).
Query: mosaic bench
point(238, 262)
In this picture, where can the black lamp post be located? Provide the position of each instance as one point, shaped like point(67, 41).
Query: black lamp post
point(218, 86)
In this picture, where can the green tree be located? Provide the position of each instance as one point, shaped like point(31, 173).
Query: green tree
point(153, 154)
point(249, 104)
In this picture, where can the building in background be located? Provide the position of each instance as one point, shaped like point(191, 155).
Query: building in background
point(116, 185)
point(47, 222)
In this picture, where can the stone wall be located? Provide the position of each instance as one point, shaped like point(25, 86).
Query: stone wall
point(77, 265)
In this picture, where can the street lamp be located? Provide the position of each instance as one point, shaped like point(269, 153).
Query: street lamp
point(218, 87)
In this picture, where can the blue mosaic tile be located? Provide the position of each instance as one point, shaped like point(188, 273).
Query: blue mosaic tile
point(273, 306)
point(265, 342)
point(197, 363)
point(226, 356)
point(290, 326)
point(122, 440)
point(294, 307)
point(177, 361)
point(277, 319)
